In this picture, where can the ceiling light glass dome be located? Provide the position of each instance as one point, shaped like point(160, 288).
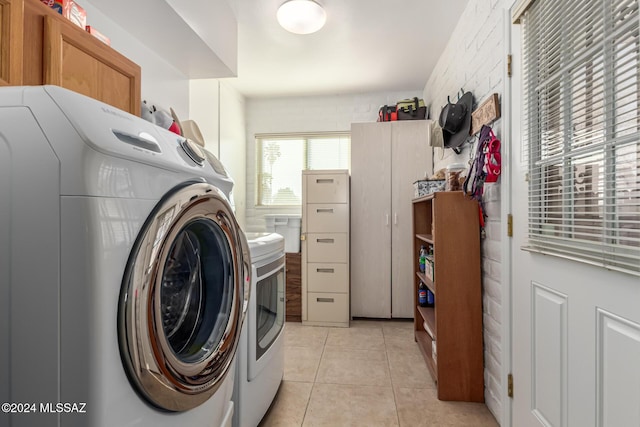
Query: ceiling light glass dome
point(301, 16)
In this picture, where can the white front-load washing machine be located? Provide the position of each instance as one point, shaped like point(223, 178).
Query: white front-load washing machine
point(124, 276)
point(260, 357)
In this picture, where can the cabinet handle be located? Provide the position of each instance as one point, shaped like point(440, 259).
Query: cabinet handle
point(387, 219)
point(324, 240)
point(395, 218)
point(324, 181)
point(324, 299)
point(325, 270)
point(324, 210)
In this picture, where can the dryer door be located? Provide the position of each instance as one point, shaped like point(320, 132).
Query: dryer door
point(184, 296)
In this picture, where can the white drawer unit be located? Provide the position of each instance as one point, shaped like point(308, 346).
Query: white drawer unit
point(333, 217)
point(328, 308)
point(331, 277)
point(325, 248)
point(327, 187)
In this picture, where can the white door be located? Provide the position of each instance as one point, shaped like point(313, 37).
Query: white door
point(370, 220)
point(576, 327)
point(411, 160)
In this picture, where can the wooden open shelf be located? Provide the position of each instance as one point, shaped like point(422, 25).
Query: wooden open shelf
point(454, 323)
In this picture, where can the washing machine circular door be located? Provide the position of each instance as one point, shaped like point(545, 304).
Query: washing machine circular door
point(184, 296)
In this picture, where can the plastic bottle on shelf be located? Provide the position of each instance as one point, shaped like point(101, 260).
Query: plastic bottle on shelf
point(422, 295)
point(422, 258)
point(431, 299)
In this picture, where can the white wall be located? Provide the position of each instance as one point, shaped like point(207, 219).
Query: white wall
point(474, 60)
point(233, 146)
point(162, 84)
point(304, 114)
point(219, 111)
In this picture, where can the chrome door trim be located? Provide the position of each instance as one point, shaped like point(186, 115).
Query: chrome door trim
point(151, 365)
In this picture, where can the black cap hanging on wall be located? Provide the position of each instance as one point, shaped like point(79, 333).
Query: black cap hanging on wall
point(455, 121)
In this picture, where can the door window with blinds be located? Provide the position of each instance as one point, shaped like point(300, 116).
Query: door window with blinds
point(282, 158)
point(581, 75)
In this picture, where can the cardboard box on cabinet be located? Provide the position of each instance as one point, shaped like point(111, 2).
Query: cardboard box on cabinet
point(74, 13)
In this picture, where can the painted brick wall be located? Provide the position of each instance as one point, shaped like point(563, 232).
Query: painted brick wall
point(474, 60)
point(304, 114)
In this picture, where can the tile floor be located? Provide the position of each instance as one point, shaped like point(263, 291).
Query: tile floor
point(371, 374)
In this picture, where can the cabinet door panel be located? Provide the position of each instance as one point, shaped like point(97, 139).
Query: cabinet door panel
point(86, 65)
point(411, 159)
point(11, 31)
point(370, 220)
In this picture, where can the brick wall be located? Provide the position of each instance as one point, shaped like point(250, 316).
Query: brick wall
point(304, 114)
point(475, 61)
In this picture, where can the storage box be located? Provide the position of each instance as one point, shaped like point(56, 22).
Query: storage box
point(428, 186)
point(288, 226)
point(428, 267)
point(74, 13)
point(97, 34)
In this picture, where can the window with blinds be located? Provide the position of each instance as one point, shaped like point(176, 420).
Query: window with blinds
point(282, 158)
point(581, 74)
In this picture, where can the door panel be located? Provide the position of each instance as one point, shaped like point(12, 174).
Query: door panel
point(617, 357)
point(574, 326)
point(370, 220)
point(411, 160)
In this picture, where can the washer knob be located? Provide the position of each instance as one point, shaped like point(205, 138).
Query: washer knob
point(193, 151)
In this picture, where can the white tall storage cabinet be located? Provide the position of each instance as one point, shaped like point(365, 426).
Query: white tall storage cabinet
point(325, 247)
point(386, 159)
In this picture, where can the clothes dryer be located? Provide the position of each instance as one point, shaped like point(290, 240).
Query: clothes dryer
point(260, 365)
point(124, 276)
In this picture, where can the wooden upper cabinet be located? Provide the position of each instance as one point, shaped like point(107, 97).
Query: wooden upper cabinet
point(78, 61)
point(58, 52)
point(11, 42)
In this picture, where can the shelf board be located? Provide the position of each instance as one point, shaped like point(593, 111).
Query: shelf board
point(425, 238)
point(429, 317)
point(424, 279)
point(424, 344)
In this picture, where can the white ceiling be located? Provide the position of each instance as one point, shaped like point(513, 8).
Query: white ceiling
point(365, 46)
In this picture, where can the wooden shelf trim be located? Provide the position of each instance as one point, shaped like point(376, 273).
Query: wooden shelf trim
point(429, 317)
point(425, 238)
point(424, 279)
point(424, 344)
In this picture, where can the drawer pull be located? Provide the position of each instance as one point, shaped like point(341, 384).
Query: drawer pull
point(325, 270)
point(325, 240)
point(324, 181)
point(324, 210)
point(325, 299)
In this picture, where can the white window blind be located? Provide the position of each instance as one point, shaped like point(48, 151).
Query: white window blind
point(282, 158)
point(582, 130)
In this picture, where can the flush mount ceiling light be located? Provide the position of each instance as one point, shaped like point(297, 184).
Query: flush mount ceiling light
point(301, 16)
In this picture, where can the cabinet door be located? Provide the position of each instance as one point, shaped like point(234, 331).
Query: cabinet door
point(11, 42)
point(411, 159)
point(370, 220)
point(77, 61)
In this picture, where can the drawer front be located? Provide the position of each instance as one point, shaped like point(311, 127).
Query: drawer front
point(327, 278)
point(328, 218)
point(327, 307)
point(327, 247)
point(328, 188)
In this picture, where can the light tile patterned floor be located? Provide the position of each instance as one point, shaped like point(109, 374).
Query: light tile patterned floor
point(371, 374)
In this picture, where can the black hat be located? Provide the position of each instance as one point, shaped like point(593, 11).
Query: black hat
point(455, 121)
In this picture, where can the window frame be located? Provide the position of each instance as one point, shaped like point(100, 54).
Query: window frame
point(304, 137)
